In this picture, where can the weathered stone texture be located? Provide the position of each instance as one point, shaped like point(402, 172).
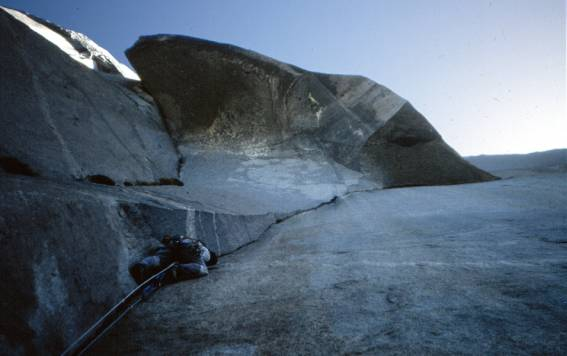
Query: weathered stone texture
point(65, 120)
point(219, 95)
point(91, 177)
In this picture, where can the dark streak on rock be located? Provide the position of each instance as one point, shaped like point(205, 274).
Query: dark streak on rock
point(161, 181)
point(12, 165)
point(100, 179)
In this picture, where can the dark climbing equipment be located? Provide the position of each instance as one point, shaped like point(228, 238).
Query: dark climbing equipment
point(114, 315)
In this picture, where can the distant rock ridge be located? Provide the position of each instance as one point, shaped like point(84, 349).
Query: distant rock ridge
point(213, 94)
point(510, 165)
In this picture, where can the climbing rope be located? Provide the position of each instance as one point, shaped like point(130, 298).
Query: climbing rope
point(114, 315)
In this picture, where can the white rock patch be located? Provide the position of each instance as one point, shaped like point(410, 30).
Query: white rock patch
point(85, 59)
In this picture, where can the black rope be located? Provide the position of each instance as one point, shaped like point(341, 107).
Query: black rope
point(116, 313)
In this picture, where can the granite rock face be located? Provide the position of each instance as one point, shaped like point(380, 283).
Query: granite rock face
point(218, 95)
point(76, 45)
point(64, 262)
point(91, 176)
point(471, 269)
point(88, 184)
point(63, 119)
point(67, 247)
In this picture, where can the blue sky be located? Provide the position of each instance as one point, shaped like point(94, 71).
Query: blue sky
point(489, 74)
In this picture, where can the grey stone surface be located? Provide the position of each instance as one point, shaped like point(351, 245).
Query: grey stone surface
point(281, 180)
point(64, 262)
point(462, 269)
point(225, 233)
point(221, 97)
point(391, 155)
point(263, 149)
point(65, 120)
point(83, 156)
point(222, 232)
point(67, 247)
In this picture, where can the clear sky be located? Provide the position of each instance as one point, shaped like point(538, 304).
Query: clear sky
point(488, 74)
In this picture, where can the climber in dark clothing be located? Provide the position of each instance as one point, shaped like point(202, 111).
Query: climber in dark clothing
point(191, 256)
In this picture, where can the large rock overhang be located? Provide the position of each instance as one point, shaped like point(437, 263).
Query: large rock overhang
point(226, 97)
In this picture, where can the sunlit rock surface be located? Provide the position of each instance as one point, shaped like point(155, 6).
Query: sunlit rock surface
point(76, 45)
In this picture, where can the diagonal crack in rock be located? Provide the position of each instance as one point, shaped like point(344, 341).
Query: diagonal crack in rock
point(293, 214)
